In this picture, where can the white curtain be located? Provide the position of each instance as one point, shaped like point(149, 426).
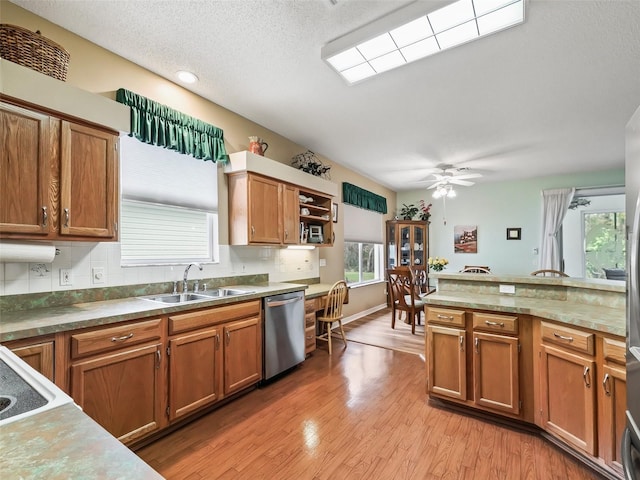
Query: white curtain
point(555, 204)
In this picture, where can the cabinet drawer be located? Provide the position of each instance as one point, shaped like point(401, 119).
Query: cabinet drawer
point(310, 320)
point(310, 305)
point(113, 338)
point(614, 351)
point(568, 337)
point(309, 339)
point(183, 322)
point(495, 323)
point(446, 316)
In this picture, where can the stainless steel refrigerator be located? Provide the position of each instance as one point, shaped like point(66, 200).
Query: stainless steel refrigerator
point(631, 438)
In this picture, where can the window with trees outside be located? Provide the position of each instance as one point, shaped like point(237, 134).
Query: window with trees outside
point(363, 262)
point(363, 250)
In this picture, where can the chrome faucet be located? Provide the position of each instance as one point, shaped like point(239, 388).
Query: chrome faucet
point(185, 286)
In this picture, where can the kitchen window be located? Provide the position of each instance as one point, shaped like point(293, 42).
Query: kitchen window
point(169, 206)
point(363, 250)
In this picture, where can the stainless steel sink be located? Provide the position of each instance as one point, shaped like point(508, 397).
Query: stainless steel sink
point(227, 292)
point(178, 298)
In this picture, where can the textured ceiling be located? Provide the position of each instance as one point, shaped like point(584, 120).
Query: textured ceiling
point(551, 96)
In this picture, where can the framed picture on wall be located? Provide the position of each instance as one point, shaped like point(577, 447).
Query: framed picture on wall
point(465, 239)
point(514, 233)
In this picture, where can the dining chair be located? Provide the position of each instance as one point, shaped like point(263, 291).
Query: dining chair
point(421, 279)
point(404, 298)
point(333, 312)
point(549, 272)
point(475, 269)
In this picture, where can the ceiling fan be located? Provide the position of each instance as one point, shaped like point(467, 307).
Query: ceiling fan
point(449, 176)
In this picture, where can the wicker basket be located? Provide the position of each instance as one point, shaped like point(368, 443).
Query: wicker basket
point(34, 51)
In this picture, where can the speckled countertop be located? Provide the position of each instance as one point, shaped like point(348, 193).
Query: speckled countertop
point(64, 443)
point(42, 321)
point(594, 317)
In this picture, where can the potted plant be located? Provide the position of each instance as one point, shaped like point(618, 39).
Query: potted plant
point(407, 212)
point(425, 210)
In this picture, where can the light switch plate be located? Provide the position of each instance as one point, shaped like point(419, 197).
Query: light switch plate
point(97, 275)
point(508, 289)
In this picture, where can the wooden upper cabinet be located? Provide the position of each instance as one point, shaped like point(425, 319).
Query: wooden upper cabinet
point(265, 213)
point(88, 185)
point(25, 165)
point(59, 179)
point(291, 215)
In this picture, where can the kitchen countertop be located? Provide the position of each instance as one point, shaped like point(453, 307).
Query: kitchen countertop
point(43, 321)
point(594, 317)
point(64, 443)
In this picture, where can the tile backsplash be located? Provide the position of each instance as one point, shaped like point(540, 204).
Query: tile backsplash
point(78, 261)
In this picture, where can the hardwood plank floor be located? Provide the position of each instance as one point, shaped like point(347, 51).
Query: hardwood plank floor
point(360, 414)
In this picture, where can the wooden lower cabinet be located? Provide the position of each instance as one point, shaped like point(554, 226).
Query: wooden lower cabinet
point(446, 357)
point(39, 356)
point(568, 397)
point(122, 391)
point(309, 325)
point(242, 354)
point(195, 364)
point(496, 372)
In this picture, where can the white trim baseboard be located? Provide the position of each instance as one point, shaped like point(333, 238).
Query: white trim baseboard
point(363, 313)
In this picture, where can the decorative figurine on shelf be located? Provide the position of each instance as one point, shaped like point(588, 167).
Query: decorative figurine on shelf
point(257, 145)
point(309, 163)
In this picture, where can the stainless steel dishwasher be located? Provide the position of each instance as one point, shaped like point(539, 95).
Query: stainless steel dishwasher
point(283, 332)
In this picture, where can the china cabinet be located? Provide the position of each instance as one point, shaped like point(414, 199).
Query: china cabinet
point(407, 243)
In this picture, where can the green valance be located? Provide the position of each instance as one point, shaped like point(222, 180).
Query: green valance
point(362, 198)
point(157, 124)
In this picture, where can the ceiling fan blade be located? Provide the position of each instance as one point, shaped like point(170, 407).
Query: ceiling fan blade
point(464, 183)
point(437, 184)
point(465, 176)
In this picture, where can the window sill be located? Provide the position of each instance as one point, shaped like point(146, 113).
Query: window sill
point(365, 284)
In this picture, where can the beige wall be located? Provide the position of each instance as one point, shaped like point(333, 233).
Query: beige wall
point(97, 70)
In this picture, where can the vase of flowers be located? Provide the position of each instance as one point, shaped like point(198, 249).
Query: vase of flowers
point(425, 210)
point(437, 264)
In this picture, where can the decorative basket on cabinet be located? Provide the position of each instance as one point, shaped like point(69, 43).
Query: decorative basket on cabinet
point(32, 50)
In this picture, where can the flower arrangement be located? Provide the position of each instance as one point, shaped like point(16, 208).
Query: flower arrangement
point(437, 264)
point(425, 212)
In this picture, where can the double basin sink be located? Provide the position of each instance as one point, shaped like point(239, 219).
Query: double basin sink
point(205, 295)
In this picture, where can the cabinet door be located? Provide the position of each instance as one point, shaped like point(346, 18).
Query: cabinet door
point(122, 391)
point(25, 166)
point(88, 182)
point(568, 397)
point(447, 362)
point(613, 421)
point(405, 249)
point(419, 245)
point(39, 357)
point(242, 354)
point(291, 215)
point(496, 372)
point(194, 371)
point(265, 221)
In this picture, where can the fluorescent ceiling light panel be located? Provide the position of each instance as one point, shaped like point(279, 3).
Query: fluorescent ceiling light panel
point(455, 36)
point(377, 46)
point(412, 32)
point(419, 36)
point(387, 62)
point(451, 15)
point(505, 17)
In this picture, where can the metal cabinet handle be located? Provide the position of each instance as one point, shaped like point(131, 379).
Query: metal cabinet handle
point(217, 341)
point(494, 324)
point(477, 344)
point(66, 217)
point(253, 230)
point(462, 343)
point(121, 339)
point(606, 386)
point(45, 216)
point(159, 357)
point(444, 317)
point(568, 339)
point(586, 377)
point(286, 234)
point(228, 337)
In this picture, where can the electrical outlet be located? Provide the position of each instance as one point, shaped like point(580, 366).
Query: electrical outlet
point(97, 275)
point(323, 262)
point(65, 277)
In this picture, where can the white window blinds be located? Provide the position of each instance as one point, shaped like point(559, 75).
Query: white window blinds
point(362, 225)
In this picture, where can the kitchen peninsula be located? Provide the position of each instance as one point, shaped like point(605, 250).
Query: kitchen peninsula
point(535, 350)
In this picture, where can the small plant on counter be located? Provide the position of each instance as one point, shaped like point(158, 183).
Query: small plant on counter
point(437, 264)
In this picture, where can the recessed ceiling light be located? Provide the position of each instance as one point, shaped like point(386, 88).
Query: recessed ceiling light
point(186, 77)
point(411, 33)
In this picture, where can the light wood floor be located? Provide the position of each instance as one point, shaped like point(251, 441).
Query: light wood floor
point(375, 329)
point(360, 414)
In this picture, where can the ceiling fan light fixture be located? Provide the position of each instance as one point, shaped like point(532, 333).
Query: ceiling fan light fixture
point(411, 33)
